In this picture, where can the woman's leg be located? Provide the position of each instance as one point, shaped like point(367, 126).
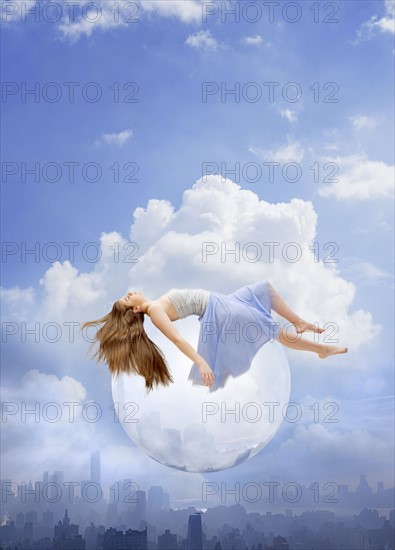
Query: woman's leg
point(285, 311)
point(302, 344)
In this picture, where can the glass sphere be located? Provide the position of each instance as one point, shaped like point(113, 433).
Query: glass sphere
point(187, 427)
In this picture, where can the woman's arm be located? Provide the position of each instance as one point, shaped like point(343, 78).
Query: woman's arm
point(162, 321)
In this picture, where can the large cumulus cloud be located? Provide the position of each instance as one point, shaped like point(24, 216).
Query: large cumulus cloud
point(192, 247)
point(164, 250)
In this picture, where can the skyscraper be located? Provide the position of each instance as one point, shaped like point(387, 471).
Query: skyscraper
point(140, 512)
point(155, 500)
point(363, 490)
point(95, 467)
point(195, 535)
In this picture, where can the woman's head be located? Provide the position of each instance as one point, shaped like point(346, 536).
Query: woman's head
point(135, 300)
point(124, 344)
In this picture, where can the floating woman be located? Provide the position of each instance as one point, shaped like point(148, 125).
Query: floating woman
point(226, 345)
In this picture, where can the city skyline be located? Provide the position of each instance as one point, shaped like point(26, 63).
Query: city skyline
point(54, 487)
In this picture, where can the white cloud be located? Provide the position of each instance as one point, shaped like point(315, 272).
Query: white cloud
point(360, 121)
point(28, 444)
point(389, 6)
point(362, 272)
point(331, 147)
point(151, 221)
point(252, 40)
point(375, 25)
point(360, 178)
point(19, 300)
point(290, 115)
point(169, 255)
point(100, 16)
point(292, 152)
point(118, 139)
point(34, 391)
point(387, 23)
point(356, 434)
point(170, 243)
point(204, 40)
point(334, 447)
point(187, 11)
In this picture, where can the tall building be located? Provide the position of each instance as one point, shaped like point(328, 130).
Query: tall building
point(155, 499)
point(32, 516)
point(20, 521)
point(56, 486)
point(363, 490)
point(48, 518)
point(66, 535)
point(112, 516)
point(166, 501)
point(57, 477)
point(28, 494)
point(343, 495)
point(28, 531)
point(8, 533)
point(95, 467)
point(90, 491)
point(195, 534)
point(140, 510)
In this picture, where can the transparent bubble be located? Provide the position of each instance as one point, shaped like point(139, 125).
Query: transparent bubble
point(186, 427)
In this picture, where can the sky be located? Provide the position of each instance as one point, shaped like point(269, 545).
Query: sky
point(142, 154)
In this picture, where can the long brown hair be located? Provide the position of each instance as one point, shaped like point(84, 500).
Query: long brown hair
point(125, 346)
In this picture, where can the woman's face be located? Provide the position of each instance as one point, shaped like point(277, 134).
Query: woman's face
point(132, 299)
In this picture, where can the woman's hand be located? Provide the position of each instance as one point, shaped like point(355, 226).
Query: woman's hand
point(206, 372)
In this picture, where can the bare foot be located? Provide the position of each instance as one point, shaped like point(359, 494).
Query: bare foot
point(304, 326)
point(331, 350)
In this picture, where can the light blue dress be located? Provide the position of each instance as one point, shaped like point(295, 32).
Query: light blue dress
point(233, 328)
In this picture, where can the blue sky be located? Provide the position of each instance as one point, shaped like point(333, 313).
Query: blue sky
point(170, 132)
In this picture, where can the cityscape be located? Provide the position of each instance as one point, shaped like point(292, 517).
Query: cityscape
point(54, 514)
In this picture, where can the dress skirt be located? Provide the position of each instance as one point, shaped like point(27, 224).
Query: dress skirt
point(233, 328)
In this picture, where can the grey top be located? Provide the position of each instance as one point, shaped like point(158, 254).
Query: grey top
point(189, 301)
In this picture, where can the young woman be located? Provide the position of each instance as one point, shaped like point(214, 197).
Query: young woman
point(226, 344)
